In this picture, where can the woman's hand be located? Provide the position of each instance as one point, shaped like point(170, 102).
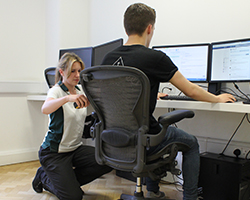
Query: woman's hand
point(80, 100)
point(51, 105)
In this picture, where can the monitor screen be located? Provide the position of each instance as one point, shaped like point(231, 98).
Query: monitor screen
point(100, 51)
point(230, 61)
point(192, 60)
point(84, 53)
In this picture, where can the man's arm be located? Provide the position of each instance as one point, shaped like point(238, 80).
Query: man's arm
point(194, 91)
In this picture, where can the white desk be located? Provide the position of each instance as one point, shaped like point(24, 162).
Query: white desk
point(36, 97)
point(237, 107)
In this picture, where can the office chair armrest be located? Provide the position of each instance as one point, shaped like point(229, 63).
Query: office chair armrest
point(166, 120)
point(174, 117)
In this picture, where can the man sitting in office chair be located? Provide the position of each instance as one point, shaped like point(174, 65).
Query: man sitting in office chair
point(139, 20)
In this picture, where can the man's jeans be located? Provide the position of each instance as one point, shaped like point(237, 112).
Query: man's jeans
point(190, 163)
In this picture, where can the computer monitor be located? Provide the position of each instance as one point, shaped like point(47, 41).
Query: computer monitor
point(230, 61)
point(192, 60)
point(100, 51)
point(84, 53)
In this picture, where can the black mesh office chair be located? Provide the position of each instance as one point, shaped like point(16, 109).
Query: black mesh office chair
point(120, 98)
point(49, 74)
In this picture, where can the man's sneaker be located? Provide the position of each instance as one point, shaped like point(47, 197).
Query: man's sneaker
point(158, 194)
point(36, 183)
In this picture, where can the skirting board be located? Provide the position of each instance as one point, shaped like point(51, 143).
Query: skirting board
point(7, 158)
point(26, 155)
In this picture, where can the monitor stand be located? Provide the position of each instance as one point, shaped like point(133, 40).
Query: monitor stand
point(214, 88)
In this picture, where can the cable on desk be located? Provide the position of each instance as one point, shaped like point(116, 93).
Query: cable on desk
point(247, 155)
point(238, 97)
point(248, 118)
point(169, 88)
point(225, 90)
point(237, 87)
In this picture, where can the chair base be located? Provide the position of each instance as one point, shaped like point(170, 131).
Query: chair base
point(131, 197)
point(138, 194)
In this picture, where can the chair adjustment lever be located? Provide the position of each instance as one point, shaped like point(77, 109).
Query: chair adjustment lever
point(95, 129)
point(92, 132)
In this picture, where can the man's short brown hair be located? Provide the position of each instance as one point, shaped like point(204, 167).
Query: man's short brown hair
point(137, 17)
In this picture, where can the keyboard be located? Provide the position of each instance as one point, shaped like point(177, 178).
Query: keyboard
point(177, 97)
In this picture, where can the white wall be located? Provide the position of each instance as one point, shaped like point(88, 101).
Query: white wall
point(22, 39)
point(31, 34)
point(33, 31)
point(177, 22)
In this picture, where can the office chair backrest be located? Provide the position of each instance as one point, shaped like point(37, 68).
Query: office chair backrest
point(120, 97)
point(49, 74)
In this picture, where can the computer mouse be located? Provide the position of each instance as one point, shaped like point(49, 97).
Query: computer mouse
point(231, 101)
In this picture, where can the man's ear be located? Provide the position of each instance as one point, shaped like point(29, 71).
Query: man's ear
point(149, 28)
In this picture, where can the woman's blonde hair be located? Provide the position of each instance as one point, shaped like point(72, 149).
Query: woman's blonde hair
point(66, 62)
